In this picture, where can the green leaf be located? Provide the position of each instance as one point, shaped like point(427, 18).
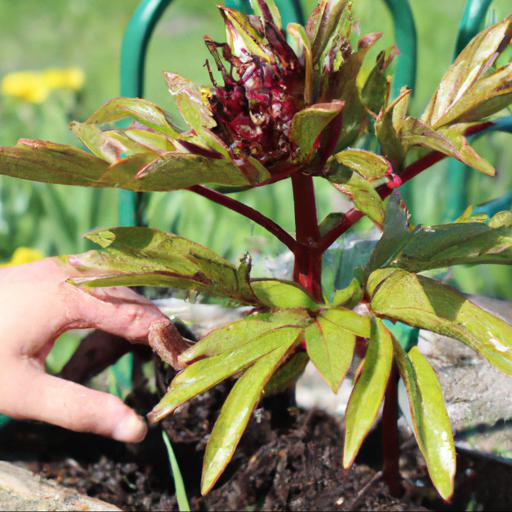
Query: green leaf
point(388, 126)
point(395, 235)
point(144, 172)
point(275, 293)
point(367, 164)
point(487, 97)
point(148, 257)
point(235, 415)
point(432, 427)
point(298, 33)
point(458, 84)
point(325, 21)
point(144, 111)
point(206, 373)
point(240, 33)
point(309, 124)
point(271, 6)
point(349, 320)
point(232, 336)
point(331, 349)
point(179, 485)
point(450, 142)
point(457, 244)
point(365, 198)
point(427, 304)
point(349, 296)
point(52, 163)
point(288, 374)
point(368, 392)
point(376, 89)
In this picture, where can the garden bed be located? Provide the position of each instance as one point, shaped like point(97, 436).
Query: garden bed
point(293, 464)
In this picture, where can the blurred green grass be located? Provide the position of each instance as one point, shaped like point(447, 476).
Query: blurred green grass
point(88, 34)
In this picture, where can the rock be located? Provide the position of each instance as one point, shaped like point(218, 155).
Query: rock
point(477, 396)
point(22, 490)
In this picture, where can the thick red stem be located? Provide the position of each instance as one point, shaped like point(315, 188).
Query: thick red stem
point(308, 261)
point(353, 215)
point(248, 212)
point(390, 440)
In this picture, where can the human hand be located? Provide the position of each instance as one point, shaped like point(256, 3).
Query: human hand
point(37, 305)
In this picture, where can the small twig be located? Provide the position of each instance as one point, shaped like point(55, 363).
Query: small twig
point(360, 495)
point(248, 212)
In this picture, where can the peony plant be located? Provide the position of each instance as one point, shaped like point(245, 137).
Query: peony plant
point(294, 105)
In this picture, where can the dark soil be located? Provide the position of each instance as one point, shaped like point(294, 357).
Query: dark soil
point(288, 459)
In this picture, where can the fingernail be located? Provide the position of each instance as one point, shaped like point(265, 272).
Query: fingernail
point(132, 429)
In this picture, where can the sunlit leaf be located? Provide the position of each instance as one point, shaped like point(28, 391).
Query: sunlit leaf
point(427, 304)
point(366, 397)
point(364, 196)
point(367, 164)
point(288, 374)
point(282, 294)
point(232, 336)
point(331, 349)
point(148, 257)
point(458, 84)
point(309, 124)
point(206, 373)
point(144, 111)
point(235, 415)
point(432, 427)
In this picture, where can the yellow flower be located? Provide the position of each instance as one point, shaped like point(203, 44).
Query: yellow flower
point(71, 78)
point(35, 87)
point(23, 255)
point(26, 85)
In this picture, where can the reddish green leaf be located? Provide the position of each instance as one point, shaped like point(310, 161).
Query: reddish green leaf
point(309, 124)
point(349, 296)
point(282, 294)
point(450, 142)
point(468, 69)
point(331, 349)
point(144, 111)
point(288, 374)
point(235, 415)
point(366, 397)
point(329, 18)
point(206, 373)
point(232, 336)
point(349, 320)
point(432, 427)
point(428, 304)
point(148, 257)
point(298, 34)
point(365, 197)
point(367, 164)
point(272, 8)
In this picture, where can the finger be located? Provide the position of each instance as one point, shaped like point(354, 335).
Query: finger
point(130, 319)
point(72, 406)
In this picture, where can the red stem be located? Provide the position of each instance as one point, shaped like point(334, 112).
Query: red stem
point(390, 440)
point(248, 212)
point(308, 261)
point(353, 215)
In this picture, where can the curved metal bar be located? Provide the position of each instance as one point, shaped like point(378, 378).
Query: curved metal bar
point(407, 42)
point(474, 14)
point(457, 178)
point(133, 57)
point(291, 11)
